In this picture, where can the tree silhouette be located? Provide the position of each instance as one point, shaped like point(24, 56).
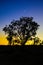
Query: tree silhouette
point(41, 43)
point(37, 41)
point(24, 29)
point(9, 33)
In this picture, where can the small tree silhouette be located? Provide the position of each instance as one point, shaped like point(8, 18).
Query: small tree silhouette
point(37, 41)
point(41, 43)
point(24, 29)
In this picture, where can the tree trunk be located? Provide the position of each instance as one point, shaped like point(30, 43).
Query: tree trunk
point(24, 41)
point(34, 41)
point(10, 42)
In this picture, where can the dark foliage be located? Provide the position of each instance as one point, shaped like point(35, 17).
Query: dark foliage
point(25, 28)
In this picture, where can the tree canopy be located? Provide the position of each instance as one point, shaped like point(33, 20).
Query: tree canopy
point(23, 29)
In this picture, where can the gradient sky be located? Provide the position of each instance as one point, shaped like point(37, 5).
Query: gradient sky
point(14, 9)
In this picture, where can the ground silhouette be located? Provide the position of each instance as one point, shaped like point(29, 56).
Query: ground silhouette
point(21, 55)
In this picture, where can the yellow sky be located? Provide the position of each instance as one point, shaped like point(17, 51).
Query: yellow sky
point(3, 40)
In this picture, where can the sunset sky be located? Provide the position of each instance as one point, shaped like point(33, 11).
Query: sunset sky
point(14, 9)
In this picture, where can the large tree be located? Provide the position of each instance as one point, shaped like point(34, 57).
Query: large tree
point(23, 29)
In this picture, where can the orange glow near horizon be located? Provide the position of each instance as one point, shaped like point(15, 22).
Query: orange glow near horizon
point(3, 40)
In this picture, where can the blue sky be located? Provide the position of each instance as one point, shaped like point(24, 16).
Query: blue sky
point(14, 9)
